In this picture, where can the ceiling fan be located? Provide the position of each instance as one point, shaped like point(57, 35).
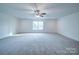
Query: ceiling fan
point(38, 12)
point(35, 8)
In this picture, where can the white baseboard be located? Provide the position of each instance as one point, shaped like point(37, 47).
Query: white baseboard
point(68, 37)
point(34, 32)
point(4, 36)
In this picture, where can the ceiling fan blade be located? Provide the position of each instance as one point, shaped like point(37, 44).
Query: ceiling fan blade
point(43, 13)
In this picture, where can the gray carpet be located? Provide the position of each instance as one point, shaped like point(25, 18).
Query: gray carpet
point(38, 44)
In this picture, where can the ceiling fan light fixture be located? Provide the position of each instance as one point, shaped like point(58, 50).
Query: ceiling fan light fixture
point(37, 16)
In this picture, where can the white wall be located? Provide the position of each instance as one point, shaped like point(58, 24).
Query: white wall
point(50, 26)
point(69, 26)
point(7, 25)
point(26, 26)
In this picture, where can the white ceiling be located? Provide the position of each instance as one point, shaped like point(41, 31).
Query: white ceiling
point(26, 10)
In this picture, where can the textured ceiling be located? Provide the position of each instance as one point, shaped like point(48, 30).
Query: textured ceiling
point(26, 10)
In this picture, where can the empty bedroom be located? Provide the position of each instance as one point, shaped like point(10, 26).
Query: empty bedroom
point(39, 28)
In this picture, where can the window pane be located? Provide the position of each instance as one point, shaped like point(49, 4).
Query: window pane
point(37, 25)
point(40, 25)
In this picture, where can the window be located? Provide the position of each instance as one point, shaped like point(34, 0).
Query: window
point(37, 25)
